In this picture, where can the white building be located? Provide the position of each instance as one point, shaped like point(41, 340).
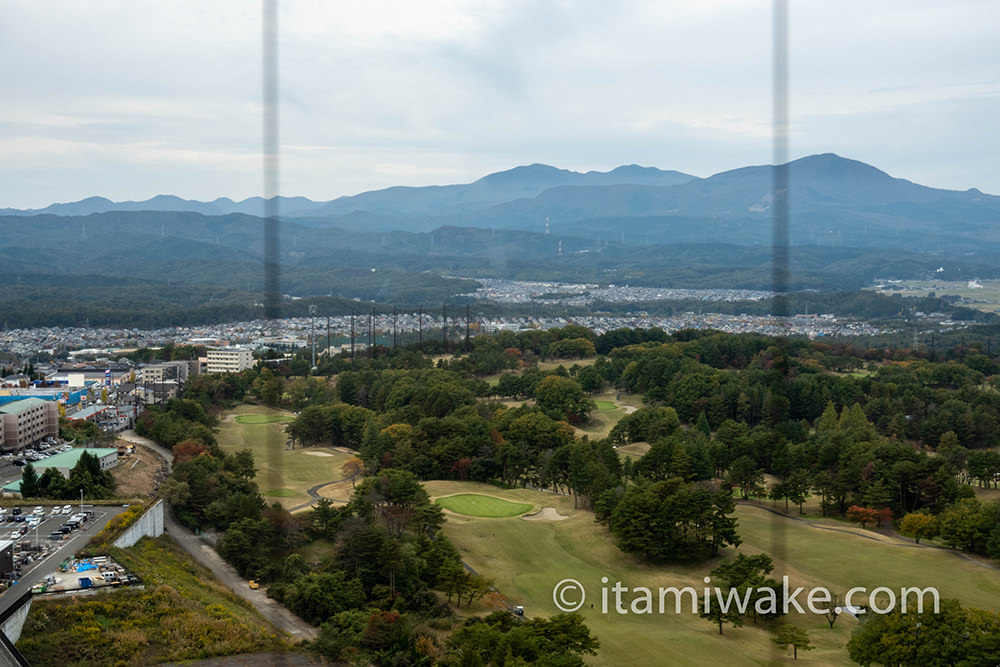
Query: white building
point(229, 360)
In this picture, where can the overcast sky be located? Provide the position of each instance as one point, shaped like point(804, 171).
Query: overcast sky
point(129, 99)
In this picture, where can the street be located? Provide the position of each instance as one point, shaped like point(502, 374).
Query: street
point(36, 571)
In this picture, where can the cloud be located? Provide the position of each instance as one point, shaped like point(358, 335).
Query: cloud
point(129, 99)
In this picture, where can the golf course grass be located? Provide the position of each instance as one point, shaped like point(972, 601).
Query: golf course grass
point(280, 493)
point(474, 504)
point(526, 559)
point(606, 405)
point(282, 474)
point(263, 419)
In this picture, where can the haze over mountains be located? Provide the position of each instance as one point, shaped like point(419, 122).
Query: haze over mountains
point(833, 200)
point(850, 223)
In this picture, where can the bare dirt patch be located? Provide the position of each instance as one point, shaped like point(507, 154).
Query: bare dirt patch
point(545, 514)
point(635, 449)
point(341, 491)
point(135, 476)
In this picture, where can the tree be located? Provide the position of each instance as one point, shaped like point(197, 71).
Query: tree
point(797, 487)
point(712, 611)
point(964, 525)
point(797, 638)
point(352, 469)
point(241, 464)
point(563, 398)
point(29, 482)
point(917, 525)
point(836, 602)
point(953, 636)
point(862, 515)
point(744, 474)
point(674, 520)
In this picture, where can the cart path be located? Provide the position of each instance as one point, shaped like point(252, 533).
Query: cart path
point(201, 552)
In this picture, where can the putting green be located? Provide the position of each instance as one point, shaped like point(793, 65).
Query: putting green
point(606, 405)
point(474, 504)
point(263, 419)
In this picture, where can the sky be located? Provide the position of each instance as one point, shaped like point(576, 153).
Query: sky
point(128, 99)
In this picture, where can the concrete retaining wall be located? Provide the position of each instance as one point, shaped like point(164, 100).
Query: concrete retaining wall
point(14, 623)
point(149, 524)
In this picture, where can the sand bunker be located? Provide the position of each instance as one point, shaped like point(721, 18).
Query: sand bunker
point(545, 514)
point(318, 453)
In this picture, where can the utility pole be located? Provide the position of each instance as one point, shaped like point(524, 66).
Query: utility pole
point(312, 333)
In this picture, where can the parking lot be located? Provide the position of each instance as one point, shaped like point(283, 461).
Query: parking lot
point(39, 541)
point(11, 464)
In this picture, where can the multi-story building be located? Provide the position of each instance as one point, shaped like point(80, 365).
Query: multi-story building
point(169, 370)
point(229, 360)
point(27, 422)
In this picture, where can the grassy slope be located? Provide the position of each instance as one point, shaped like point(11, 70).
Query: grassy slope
point(182, 614)
point(288, 473)
point(527, 559)
point(602, 420)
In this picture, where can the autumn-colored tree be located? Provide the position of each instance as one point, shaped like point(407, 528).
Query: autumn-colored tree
point(352, 469)
point(187, 450)
point(461, 468)
point(862, 515)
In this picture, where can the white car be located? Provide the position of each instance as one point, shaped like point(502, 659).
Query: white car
point(67, 509)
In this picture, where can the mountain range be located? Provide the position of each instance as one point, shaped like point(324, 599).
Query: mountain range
point(849, 224)
point(833, 201)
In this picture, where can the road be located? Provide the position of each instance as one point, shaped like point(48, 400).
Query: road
point(39, 569)
point(224, 572)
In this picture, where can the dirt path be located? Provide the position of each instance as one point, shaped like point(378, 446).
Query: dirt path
point(224, 572)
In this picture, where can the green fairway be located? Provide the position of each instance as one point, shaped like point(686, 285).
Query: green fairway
point(281, 493)
point(527, 559)
point(606, 405)
point(282, 474)
point(263, 419)
point(474, 504)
